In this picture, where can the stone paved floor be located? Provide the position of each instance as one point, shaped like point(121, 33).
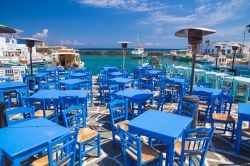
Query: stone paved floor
point(220, 151)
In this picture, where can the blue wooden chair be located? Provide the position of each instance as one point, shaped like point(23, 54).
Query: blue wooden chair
point(43, 109)
point(118, 116)
point(134, 148)
point(112, 90)
point(23, 95)
point(223, 116)
point(186, 109)
point(75, 118)
point(67, 101)
point(172, 91)
point(203, 84)
point(204, 106)
point(61, 151)
point(19, 114)
point(195, 142)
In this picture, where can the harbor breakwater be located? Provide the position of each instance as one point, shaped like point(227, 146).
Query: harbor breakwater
point(116, 52)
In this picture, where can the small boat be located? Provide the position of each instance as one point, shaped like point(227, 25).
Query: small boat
point(66, 58)
point(184, 55)
point(139, 52)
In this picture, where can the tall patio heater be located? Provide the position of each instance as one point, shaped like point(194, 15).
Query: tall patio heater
point(217, 55)
point(235, 47)
point(124, 45)
point(194, 36)
point(30, 42)
point(5, 29)
point(244, 37)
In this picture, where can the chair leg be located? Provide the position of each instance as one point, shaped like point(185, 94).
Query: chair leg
point(233, 130)
point(80, 156)
point(99, 145)
point(113, 138)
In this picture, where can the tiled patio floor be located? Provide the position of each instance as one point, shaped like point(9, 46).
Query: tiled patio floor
point(220, 151)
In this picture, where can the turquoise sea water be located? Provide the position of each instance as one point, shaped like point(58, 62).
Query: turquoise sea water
point(116, 60)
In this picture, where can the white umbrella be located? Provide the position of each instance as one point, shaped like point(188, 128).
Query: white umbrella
point(194, 36)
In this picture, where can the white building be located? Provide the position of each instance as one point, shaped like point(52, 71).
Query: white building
point(12, 51)
point(226, 49)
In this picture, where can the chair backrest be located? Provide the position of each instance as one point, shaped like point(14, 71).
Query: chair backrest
point(226, 102)
point(67, 101)
point(146, 86)
point(203, 84)
point(62, 149)
point(131, 144)
point(75, 116)
point(196, 141)
point(112, 90)
point(205, 97)
point(23, 95)
point(19, 114)
point(118, 111)
point(187, 109)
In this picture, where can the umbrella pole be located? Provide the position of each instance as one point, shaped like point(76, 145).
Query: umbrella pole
point(31, 67)
point(193, 64)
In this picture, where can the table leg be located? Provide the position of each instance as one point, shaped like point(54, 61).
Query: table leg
point(238, 137)
point(139, 108)
point(16, 162)
point(170, 154)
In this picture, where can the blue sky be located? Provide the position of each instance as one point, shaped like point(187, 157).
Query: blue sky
point(101, 23)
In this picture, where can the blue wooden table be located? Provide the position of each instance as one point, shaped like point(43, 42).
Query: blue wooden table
point(136, 96)
point(9, 86)
point(110, 68)
point(25, 139)
point(54, 95)
point(165, 127)
point(154, 72)
point(78, 75)
point(243, 115)
point(51, 69)
point(215, 94)
point(122, 82)
point(115, 74)
point(178, 80)
point(70, 83)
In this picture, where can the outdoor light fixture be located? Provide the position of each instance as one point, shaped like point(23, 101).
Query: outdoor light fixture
point(124, 45)
point(30, 42)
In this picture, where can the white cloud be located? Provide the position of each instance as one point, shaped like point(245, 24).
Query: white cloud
point(152, 44)
point(41, 35)
point(71, 42)
point(205, 14)
point(131, 5)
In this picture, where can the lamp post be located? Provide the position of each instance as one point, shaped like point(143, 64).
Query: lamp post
point(244, 37)
point(234, 46)
point(194, 36)
point(30, 42)
point(124, 45)
point(217, 55)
